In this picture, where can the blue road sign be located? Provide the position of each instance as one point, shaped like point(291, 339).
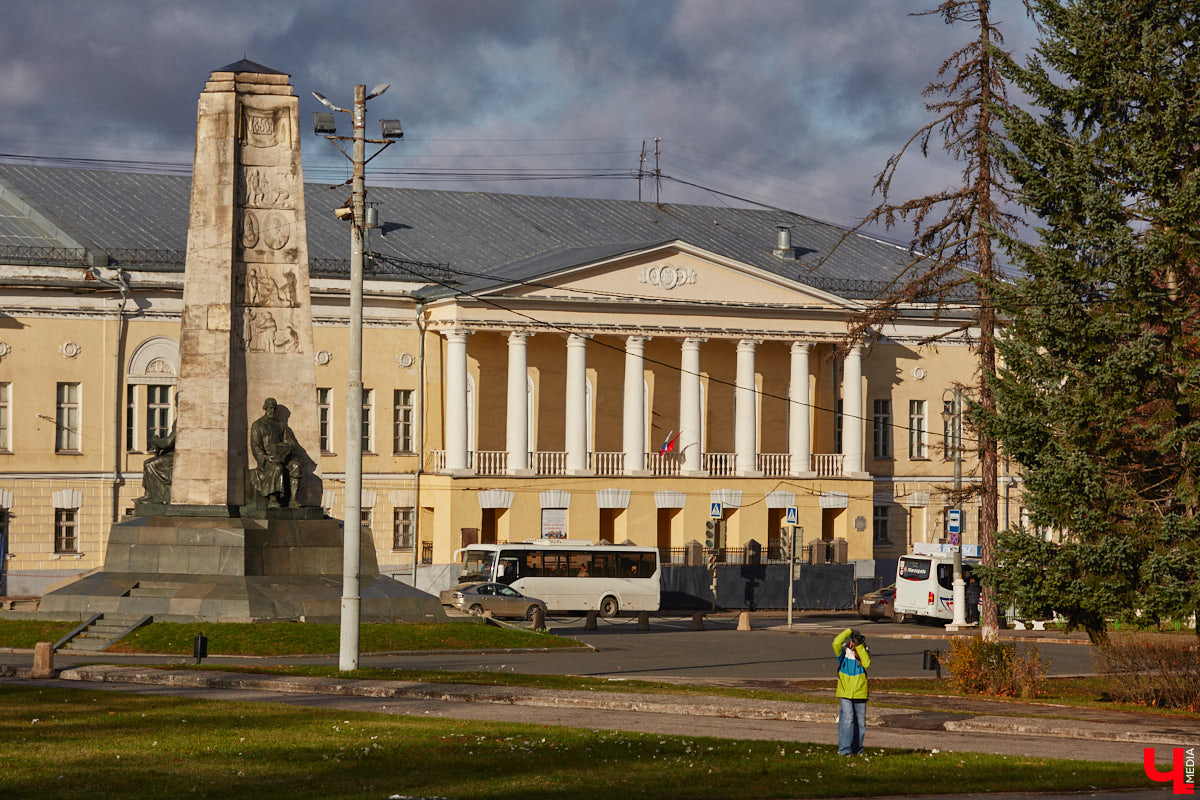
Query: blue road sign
point(716, 512)
point(792, 518)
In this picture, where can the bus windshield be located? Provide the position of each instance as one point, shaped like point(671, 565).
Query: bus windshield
point(477, 565)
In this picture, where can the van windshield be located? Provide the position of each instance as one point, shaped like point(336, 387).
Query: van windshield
point(477, 566)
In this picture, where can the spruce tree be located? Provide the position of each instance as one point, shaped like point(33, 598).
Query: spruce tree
point(1099, 392)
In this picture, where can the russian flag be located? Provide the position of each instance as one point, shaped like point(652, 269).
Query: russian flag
point(669, 443)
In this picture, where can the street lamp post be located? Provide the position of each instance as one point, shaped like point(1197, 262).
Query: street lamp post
point(352, 526)
point(954, 418)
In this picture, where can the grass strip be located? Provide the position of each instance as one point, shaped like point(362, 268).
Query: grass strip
point(295, 638)
point(64, 743)
point(23, 634)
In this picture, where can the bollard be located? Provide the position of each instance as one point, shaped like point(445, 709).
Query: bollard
point(200, 647)
point(643, 621)
point(744, 621)
point(698, 621)
point(538, 618)
point(43, 660)
point(590, 625)
point(932, 660)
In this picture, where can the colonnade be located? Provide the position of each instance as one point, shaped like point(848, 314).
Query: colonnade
point(633, 423)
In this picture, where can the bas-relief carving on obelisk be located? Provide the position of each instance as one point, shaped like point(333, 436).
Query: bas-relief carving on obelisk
point(247, 322)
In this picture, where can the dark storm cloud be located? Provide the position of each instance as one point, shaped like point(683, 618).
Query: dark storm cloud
point(793, 103)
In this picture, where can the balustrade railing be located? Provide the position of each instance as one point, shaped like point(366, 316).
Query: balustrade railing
point(606, 463)
point(829, 465)
point(554, 462)
point(774, 465)
point(663, 463)
point(549, 462)
point(720, 464)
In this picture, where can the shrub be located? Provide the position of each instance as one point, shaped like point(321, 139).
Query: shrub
point(980, 667)
point(1152, 671)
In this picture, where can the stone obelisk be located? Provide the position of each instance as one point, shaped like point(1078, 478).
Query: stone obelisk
point(223, 549)
point(247, 321)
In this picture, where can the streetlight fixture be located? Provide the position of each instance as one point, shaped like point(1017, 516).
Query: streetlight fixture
point(952, 438)
point(323, 125)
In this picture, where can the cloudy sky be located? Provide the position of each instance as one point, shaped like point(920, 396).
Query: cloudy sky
point(795, 104)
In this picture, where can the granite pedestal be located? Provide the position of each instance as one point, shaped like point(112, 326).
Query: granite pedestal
point(213, 569)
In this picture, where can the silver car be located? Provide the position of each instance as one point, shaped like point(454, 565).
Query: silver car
point(501, 600)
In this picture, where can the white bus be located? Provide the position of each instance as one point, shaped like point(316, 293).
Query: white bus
point(925, 581)
point(570, 574)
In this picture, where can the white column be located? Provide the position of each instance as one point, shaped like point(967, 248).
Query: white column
point(690, 412)
point(799, 412)
point(456, 399)
point(852, 411)
point(516, 437)
point(745, 420)
point(633, 421)
point(576, 421)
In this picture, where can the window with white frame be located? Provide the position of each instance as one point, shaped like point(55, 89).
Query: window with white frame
point(402, 421)
point(881, 430)
point(66, 530)
point(880, 525)
point(67, 419)
point(324, 418)
point(368, 428)
point(364, 515)
point(917, 440)
point(5, 417)
point(158, 412)
point(147, 414)
point(951, 429)
point(402, 528)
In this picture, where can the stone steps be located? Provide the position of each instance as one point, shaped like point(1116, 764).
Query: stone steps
point(101, 634)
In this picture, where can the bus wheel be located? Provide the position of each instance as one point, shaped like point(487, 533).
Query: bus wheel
point(609, 607)
point(476, 609)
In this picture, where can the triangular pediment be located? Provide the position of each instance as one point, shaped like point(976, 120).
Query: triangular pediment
point(671, 272)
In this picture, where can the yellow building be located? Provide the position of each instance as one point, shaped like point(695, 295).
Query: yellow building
point(533, 366)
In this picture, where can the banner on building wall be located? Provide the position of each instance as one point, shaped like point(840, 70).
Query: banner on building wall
point(554, 523)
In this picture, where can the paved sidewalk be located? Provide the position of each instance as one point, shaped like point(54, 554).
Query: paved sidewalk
point(930, 717)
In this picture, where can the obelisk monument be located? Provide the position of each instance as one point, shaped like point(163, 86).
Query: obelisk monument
point(231, 527)
point(247, 322)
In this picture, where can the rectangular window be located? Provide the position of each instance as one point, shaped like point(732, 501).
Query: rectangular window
point(402, 421)
point(367, 428)
point(158, 412)
point(881, 419)
point(917, 442)
point(364, 514)
point(324, 422)
point(67, 419)
point(951, 429)
point(881, 525)
point(402, 529)
point(66, 530)
point(131, 418)
point(5, 417)
point(837, 427)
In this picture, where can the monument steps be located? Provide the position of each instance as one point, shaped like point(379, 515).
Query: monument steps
point(155, 589)
point(101, 634)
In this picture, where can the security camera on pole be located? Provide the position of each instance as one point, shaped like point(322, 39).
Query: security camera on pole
point(323, 124)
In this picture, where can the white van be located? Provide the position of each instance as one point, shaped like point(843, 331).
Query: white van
point(925, 581)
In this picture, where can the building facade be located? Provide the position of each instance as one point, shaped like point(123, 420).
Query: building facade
point(590, 369)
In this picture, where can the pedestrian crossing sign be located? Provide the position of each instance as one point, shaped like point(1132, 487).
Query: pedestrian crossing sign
point(792, 518)
point(716, 512)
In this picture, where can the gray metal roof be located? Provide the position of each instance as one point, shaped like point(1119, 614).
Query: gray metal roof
point(141, 221)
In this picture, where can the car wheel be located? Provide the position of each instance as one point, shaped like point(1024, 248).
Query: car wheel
point(476, 609)
point(529, 612)
point(609, 607)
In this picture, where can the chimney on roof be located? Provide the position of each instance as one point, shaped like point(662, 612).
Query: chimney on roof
point(783, 242)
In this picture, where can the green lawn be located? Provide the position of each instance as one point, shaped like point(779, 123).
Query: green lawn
point(63, 743)
point(292, 638)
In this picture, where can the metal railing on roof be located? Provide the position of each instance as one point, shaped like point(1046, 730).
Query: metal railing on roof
point(45, 256)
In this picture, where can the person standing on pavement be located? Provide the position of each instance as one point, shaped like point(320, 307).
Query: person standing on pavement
point(853, 661)
point(972, 599)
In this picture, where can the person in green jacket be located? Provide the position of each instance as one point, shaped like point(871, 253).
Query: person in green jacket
point(853, 660)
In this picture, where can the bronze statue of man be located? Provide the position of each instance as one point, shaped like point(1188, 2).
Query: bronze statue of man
point(158, 470)
point(273, 444)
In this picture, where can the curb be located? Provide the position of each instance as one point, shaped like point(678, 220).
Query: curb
point(961, 722)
